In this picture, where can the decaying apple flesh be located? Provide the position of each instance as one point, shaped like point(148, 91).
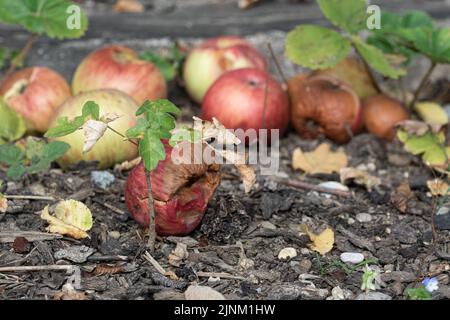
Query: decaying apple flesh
point(181, 193)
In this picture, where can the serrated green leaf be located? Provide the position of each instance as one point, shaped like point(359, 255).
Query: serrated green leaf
point(151, 149)
point(139, 129)
point(91, 110)
point(349, 15)
point(164, 105)
point(37, 166)
point(378, 60)
point(163, 64)
point(316, 47)
point(64, 127)
point(54, 18)
point(16, 171)
point(54, 150)
point(434, 43)
point(34, 148)
point(13, 126)
point(10, 154)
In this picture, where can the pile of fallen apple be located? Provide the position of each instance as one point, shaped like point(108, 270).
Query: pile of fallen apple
point(229, 78)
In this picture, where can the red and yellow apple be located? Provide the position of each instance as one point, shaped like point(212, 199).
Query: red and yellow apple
point(245, 99)
point(111, 148)
point(181, 194)
point(118, 67)
point(212, 58)
point(324, 105)
point(35, 93)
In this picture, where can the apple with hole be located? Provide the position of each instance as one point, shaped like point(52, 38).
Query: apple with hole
point(181, 194)
point(119, 67)
point(214, 57)
point(35, 93)
point(245, 99)
point(111, 148)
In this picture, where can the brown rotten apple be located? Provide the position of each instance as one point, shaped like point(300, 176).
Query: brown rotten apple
point(238, 100)
point(213, 58)
point(181, 193)
point(35, 93)
point(380, 115)
point(324, 105)
point(111, 148)
point(118, 67)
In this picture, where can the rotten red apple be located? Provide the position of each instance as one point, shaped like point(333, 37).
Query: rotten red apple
point(181, 194)
point(381, 114)
point(119, 67)
point(324, 105)
point(214, 57)
point(245, 99)
point(35, 93)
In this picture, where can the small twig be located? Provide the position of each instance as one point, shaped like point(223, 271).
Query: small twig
point(108, 258)
point(147, 256)
point(433, 216)
point(314, 187)
point(22, 54)
point(51, 267)
point(222, 275)
point(10, 236)
point(123, 136)
point(25, 197)
point(109, 206)
point(422, 84)
point(277, 64)
point(151, 208)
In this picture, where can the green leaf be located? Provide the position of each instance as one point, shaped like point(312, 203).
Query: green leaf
point(13, 125)
point(3, 57)
point(185, 134)
point(54, 150)
point(434, 43)
point(418, 294)
point(163, 64)
point(151, 149)
point(91, 110)
point(16, 171)
point(139, 129)
point(64, 127)
point(316, 47)
point(34, 148)
point(349, 15)
point(378, 60)
point(54, 18)
point(10, 154)
point(164, 105)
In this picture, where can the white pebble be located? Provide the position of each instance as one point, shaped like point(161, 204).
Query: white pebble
point(287, 253)
point(363, 217)
point(333, 185)
point(352, 257)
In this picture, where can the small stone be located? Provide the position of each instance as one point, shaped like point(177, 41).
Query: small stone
point(195, 292)
point(352, 257)
point(351, 221)
point(408, 252)
point(442, 221)
point(340, 294)
point(333, 185)
point(397, 288)
point(284, 292)
point(364, 217)
point(405, 234)
point(302, 266)
point(268, 225)
point(102, 179)
point(114, 234)
point(21, 245)
point(399, 276)
point(443, 210)
point(77, 254)
point(386, 255)
point(213, 279)
point(305, 251)
point(373, 295)
point(287, 253)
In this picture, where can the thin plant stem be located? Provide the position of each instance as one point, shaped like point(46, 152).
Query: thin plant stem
point(152, 225)
point(422, 83)
point(433, 216)
point(369, 71)
point(22, 54)
point(277, 63)
point(123, 136)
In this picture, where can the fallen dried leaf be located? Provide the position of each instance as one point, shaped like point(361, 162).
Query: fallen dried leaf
point(417, 127)
point(93, 131)
point(194, 292)
point(3, 204)
point(248, 176)
point(401, 196)
point(438, 187)
point(72, 218)
point(322, 242)
point(321, 160)
point(431, 113)
point(177, 256)
point(128, 6)
point(360, 177)
point(127, 165)
point(69, 293)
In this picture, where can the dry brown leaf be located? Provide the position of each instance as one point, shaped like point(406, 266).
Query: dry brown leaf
point(69, 293)
point(3, 203)
point(322, 242)
point(438, 187)
point(127, 165)
point(246, 4)
point(321, 160)
point(418, 128)
point(109, 117)
point(401, 196)
point(93, 131)
point(177, 256)
point(360, 177)
point(128, 6)
point(248, 176)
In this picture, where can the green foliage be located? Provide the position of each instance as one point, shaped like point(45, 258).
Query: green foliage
point(185, 134)
point(90, 110)
point(419, 293)
point(43, 17)
point(169, 65)
point(316, 47)
point(349, 15)
point(434, 43)
point(3, 57)
point(13, 125)
point(37, 156)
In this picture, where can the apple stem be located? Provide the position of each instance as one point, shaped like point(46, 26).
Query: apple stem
point(422, 84)
point(22, 54)
point(277, 63)
point(152, 225)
